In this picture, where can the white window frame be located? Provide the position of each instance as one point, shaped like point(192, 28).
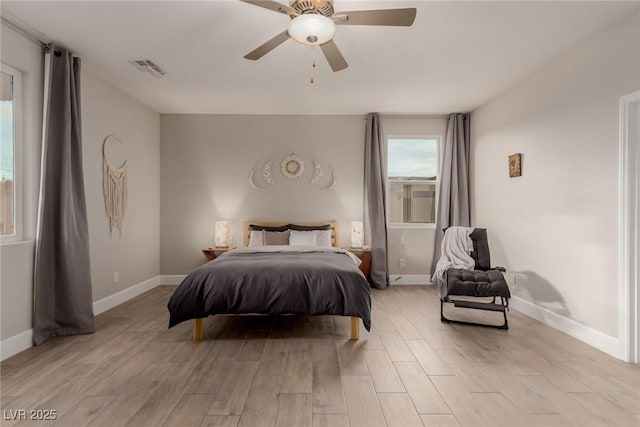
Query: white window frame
point(18, 145)
point(415, 225)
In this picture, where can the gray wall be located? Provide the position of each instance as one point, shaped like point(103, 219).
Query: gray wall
point(136, 255)
point(556, 227)
point(205, 166)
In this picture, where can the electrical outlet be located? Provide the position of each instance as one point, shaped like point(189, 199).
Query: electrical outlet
point(403, 263)
point(402, 240)
point(115, 277)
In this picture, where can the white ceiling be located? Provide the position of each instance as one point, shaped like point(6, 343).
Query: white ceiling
point(456, 57)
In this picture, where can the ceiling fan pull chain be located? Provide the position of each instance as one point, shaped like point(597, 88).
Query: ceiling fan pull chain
point(313, 65)
point(314, 51)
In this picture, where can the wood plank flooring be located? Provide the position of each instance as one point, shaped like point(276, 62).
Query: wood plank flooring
point(410, 370)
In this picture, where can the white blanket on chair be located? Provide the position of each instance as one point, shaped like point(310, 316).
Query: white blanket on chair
point(455, 252)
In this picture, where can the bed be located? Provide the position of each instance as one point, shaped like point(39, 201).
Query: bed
point(309, 276)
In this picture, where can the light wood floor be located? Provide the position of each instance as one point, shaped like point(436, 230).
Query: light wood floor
point(411, 370)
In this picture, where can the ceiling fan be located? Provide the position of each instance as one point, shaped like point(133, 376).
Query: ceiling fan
point(313, 22)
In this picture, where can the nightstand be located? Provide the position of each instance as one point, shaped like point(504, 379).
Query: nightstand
point(365, 259)
point(212, 253)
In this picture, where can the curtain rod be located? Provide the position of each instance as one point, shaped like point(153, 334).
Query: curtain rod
point(412, 116)
point(26, 34)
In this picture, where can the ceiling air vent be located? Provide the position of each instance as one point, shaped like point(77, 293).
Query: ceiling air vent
point(148, 66)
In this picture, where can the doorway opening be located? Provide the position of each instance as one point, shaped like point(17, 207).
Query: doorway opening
point(628, 229)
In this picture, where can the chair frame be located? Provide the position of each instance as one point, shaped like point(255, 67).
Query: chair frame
point(488, 306)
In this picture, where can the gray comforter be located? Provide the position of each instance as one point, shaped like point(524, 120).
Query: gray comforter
point(275, 280)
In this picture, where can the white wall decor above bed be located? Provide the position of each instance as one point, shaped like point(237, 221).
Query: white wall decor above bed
point(317, 172)
point(266, 172)
point(292, 166)
point(334, 181)
point(252, 176)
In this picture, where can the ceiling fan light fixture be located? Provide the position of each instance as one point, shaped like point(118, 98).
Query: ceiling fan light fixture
point(312, 29)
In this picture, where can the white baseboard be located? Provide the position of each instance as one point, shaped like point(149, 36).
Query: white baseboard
point(24, 340)
point(16, 344)
point(172, 279)
point(124, 295)
point(409, 279)
point(586, 334)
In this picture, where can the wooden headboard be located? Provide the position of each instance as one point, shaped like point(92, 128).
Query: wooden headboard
point(247, 232)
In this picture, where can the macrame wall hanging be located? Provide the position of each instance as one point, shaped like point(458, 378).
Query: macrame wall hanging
point(114, 186)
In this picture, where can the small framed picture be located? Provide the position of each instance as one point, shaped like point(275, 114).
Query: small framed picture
point(515, 165)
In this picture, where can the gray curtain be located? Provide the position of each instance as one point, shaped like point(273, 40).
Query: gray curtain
point(375, 196)
point(453, 201)
point(62, 294)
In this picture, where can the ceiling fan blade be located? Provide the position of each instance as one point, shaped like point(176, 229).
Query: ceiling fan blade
point(272, 5)
point(333, 55)
point(267, 47)
point(392, 17)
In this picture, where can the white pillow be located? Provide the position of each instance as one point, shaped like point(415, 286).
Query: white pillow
point(256, 239)
point(323, 238)
point(302, 238)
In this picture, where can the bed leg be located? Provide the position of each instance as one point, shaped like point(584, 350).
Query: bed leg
point(197, 330)
point(355, 328)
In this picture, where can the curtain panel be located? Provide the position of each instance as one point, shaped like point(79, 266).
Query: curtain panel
point(375, 200)
point(62, 276)
point(453, 196)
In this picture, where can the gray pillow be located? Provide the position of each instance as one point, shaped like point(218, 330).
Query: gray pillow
point(309, 227)
point(271, 238)
point(267, 228)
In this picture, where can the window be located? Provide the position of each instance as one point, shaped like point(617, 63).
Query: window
point(412, 181)
point(10, 195)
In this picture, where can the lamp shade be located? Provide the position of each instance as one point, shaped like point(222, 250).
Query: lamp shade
point(223, 234)
point(357, 234)
point(312, 29)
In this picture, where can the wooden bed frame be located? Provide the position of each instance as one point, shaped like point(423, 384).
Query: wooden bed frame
point(198, 330)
